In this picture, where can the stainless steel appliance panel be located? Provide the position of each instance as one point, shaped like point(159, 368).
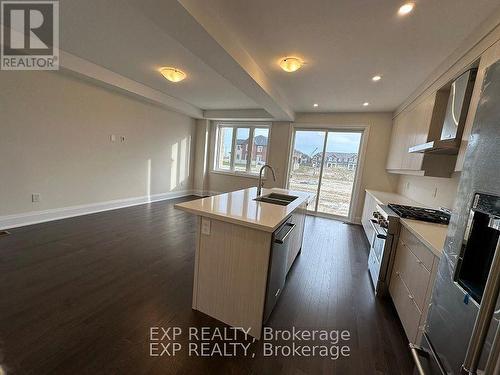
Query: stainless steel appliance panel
point(276, 276)
point(452, 313)
point(381, 250)
point(458, 105)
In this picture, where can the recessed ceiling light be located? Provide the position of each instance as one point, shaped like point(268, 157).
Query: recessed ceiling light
point(291, 64)
point(315, 105)
point(365, 104)
point(376, 78)
point(172, 74)
point(406, 8)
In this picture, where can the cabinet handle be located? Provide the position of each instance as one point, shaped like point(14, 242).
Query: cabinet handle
point(410, 297)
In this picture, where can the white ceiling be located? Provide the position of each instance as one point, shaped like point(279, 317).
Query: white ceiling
point(346, 42)
point(230, 48)
point(115, 35)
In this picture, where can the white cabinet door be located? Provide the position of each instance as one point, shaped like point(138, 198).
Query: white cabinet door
point(369, 206)
point(394, 160)
point(297, 236)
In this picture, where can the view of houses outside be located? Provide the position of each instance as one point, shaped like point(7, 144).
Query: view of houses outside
point(340, 162)
point(259, 151)
point(256, 148)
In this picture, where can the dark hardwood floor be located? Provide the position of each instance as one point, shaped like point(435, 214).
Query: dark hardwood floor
point(78, 296)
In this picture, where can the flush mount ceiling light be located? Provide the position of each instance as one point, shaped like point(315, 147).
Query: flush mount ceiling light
point(315, 105)
point(291, 64)
point(172, 74)
point(366, 104)
point(376, 78)
point(406, 8)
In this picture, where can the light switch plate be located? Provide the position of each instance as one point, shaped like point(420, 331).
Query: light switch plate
point(35, 198)
point(205, 226)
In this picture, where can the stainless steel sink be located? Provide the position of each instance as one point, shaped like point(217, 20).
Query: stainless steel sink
point(275, 198)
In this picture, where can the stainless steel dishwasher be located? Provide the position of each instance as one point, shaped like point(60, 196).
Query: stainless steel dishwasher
point(277, 266)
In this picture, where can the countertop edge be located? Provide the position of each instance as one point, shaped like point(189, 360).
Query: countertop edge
point(265, 228)
point(422, 238)
point(232, 220)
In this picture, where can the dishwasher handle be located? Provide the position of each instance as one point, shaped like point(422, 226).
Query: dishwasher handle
point(282, 239)
point(414, 353)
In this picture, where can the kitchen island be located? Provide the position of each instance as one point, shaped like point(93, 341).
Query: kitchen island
point(235, 236)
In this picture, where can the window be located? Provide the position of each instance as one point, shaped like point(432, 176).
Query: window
point(241, 148)
point(260, 145)
point(242, 137)
point(224, 146)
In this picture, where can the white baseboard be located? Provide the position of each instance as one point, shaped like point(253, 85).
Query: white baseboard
point(35, 217)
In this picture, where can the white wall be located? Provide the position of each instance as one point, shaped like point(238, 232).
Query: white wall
point(55, 140)
point(430, 191)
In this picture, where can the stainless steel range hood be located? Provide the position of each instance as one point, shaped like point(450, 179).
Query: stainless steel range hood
point(452, 126)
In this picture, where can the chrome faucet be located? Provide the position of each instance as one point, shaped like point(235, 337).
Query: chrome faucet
point(261, 183)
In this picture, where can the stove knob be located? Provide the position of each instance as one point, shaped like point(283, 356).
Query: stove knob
point(384, 223)
point(376, 214)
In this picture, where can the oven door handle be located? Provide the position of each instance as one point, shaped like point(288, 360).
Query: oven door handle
point(380, 235)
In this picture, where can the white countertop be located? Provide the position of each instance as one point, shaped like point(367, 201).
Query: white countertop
point(239, 207)
point(432, 235)
point(385, 198)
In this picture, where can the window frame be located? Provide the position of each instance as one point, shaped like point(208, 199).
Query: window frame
point(235, 126)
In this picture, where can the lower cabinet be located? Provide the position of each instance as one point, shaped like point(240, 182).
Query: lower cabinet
point(369, 207)
point(412, 279)
point(299, 219)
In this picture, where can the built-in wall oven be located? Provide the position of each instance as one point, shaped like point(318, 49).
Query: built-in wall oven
point(385, 224)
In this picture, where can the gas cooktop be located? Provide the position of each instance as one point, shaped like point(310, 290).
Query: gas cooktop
point(420, 213)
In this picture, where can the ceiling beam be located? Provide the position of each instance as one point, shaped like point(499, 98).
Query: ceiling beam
point(104, 77)
point(203, 35)
point(108, 78)
point(237, 114)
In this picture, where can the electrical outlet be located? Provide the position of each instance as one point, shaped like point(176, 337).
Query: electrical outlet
point(122, 138)
point(35, 198)
point(112, 138)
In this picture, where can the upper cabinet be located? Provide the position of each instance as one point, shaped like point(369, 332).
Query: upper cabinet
point(420, 125)
point(415, 126)
point(490, 56)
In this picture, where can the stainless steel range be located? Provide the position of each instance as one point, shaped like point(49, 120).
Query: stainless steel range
point(421, 213)
point(386, 227)
point(385, 224)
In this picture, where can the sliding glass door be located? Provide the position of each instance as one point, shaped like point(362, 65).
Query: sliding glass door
point(325, 162)
point(306, 162)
